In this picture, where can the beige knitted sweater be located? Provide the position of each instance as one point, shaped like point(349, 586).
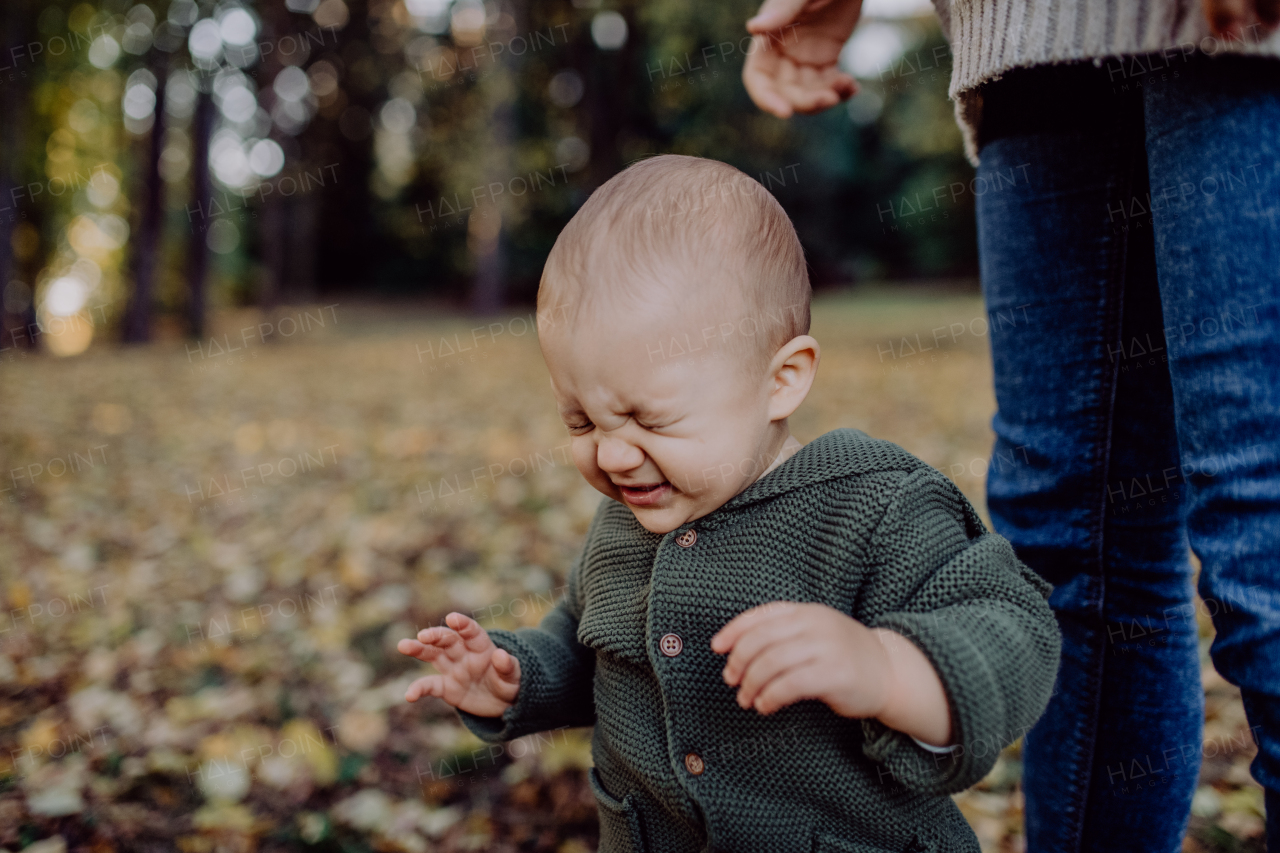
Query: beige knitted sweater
point(989, 37)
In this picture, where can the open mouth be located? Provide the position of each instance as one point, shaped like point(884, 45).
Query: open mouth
point(645, 495)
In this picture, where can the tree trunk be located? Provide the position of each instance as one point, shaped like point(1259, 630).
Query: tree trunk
point(491, 268)
point(137, 318)
point(272, 234)
point(611, 105)
point(487, 237)
point(303, 242)
point(11, 104)
point(202, 191)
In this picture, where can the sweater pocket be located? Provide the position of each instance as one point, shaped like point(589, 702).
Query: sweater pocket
point(620, 830)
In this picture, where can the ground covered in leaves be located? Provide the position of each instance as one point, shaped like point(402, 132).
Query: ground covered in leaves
point(207, 554)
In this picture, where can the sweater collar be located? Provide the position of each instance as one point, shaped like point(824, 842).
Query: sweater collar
point(835, 454)
point(790, 446)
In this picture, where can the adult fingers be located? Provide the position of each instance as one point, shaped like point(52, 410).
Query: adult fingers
point(774, 14)
point(1268, 12)
point(758, 76)
point(810, 90)
point(807, 101)
point(1226, 17)
point(842, 84)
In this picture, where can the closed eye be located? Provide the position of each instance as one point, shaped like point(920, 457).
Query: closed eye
point(583, 428)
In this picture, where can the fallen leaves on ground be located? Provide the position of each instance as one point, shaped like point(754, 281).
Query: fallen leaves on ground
point(208, 554)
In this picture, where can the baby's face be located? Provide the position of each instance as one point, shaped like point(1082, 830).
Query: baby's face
point(671, 439)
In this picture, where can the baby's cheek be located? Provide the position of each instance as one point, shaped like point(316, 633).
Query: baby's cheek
point(585, 461)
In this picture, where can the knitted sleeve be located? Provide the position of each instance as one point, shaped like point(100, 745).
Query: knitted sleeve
point(939, 578)
point(556, 673)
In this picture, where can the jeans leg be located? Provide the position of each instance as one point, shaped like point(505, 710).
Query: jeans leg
point(1085, 420)
point(1214, 157)
point(1147, 750)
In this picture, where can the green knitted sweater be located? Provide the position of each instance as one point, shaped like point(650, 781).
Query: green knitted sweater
point(849, 521)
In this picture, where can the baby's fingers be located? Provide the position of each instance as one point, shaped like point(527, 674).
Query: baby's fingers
point(506, 666)
point(503, 678)
point(428, 685)
point(789, 687)
point(439, 635)
point(727, 637)
point(415, 649)
point(475, 638)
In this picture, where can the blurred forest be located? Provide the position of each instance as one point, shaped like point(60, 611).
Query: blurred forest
point(169, 158)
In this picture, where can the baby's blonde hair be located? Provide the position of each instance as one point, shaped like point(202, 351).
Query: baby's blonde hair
point(691, 231)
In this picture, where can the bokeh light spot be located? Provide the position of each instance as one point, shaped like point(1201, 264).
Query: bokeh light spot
point(609, 30)
point(223, 237)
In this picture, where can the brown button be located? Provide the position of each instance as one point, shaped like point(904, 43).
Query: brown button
point(693, 763)
point(684, 540)
point(670, 645)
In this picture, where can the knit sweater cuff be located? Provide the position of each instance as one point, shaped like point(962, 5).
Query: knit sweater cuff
point(974, 692)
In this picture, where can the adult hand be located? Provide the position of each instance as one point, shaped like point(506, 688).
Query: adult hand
point(792, 64)
point(1230, 18)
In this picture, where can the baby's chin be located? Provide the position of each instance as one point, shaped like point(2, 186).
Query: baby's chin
point(664, 519)
point(656, 521)
point(661, 516)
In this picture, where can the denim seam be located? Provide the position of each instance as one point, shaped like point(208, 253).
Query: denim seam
point(1113, 321)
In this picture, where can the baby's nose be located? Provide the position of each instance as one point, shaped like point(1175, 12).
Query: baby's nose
point(616, 455)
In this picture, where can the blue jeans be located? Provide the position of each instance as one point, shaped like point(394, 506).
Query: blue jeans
point(1129, 236)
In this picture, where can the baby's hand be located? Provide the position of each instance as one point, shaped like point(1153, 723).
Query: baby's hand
point(475, 675)
point(785, 651)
